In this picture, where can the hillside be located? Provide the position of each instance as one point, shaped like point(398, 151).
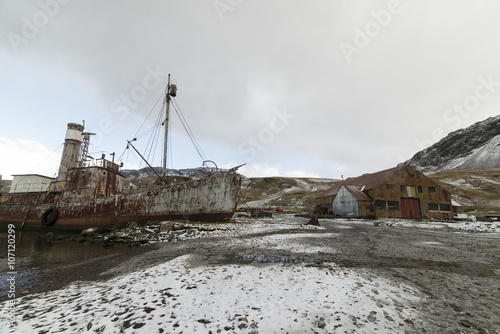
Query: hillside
point(479, 189)
point(285, 192)
point(473, 189)
point(472, 148)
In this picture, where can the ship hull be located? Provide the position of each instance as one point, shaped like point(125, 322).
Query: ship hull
point(211, 199)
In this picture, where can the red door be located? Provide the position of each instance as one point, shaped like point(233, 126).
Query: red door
point(410, 208)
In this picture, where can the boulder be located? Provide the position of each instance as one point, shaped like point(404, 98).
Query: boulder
point(166, 226)
point(132, 225)
point(314, 221)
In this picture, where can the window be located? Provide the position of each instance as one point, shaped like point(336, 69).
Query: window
point(420, 189)
point(411, 191)
point(432, 189)
point(379, 205)
point(444, 207)
point(432, 206)
point(393, 205)
point(389, 186)
point(402, 188)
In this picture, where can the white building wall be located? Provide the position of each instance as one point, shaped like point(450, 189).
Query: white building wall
point(29, 183)
point(345, 204)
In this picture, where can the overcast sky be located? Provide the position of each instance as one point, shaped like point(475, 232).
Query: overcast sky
point(292, 88)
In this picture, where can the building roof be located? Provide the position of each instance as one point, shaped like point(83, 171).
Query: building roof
point(37, 175)
point(357, 193)
point(363, 182)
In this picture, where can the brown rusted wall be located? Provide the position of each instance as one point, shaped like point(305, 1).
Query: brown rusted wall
point(325, 202)
point(210, 199)
point(93, 182)
point(408, 176)
point(366, 209)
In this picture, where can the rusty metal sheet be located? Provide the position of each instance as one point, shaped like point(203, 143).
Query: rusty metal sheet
point(213, 198)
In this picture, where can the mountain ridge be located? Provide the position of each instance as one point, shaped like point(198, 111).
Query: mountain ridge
point(476, 147)
point(146, 171)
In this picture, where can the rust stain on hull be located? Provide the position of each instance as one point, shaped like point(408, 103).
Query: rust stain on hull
point(210, 199)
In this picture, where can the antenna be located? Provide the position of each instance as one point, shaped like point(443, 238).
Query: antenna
point(84, 149)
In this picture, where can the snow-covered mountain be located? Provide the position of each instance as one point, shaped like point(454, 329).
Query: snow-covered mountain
point(146, 171)
point(475, 148)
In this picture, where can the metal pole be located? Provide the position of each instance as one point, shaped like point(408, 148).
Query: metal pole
point(128, 141)
point(166, 134)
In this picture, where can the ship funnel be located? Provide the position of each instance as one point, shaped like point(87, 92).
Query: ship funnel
point(71, 150)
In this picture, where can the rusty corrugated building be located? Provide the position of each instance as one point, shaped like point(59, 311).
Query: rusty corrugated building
point(399, 192)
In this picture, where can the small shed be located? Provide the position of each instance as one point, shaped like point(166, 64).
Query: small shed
point(29, 183)
point(457, 207)
point(346, 203)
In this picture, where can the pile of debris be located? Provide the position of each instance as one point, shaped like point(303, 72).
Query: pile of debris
point(135, 236)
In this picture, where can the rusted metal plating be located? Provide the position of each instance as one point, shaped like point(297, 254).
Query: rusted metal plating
point(209, 199)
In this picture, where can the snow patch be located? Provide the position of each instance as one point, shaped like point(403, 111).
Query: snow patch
point(177, 297)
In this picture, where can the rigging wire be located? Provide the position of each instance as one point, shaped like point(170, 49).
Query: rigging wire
point(153, 139)
point(155, 131)
point(43, 160)
point(170, 154)
point(123, 153)
point(189, 131)
point(162, 95)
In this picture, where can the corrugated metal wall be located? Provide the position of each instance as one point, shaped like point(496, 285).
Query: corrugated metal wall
point(345, 204)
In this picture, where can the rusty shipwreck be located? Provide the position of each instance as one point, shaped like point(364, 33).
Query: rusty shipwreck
point(90, 193)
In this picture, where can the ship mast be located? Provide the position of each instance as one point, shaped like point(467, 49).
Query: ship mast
point(171, 91)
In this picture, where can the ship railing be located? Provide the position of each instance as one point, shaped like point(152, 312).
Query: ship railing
point(101, 163)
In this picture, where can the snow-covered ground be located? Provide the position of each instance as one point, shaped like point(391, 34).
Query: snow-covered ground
point(483, 227)
point(187, 295)
point(177, 297)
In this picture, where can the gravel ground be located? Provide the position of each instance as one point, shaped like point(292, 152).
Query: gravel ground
point(454, 273)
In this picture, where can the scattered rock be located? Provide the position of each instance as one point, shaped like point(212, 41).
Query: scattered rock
point(314, 221)
point(166, 226)
point(94, 230)
point(132, 225)
point(48, 236)
point(321, 323)
point(466, 323)
point(142, 240)
point(204, 321)
point(89, 231)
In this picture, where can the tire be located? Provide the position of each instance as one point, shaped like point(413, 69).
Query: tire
point(52, 220)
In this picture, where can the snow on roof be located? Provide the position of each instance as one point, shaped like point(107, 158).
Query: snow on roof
point(357, 193)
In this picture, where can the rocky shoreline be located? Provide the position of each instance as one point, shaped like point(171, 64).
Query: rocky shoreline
point(137, 236)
